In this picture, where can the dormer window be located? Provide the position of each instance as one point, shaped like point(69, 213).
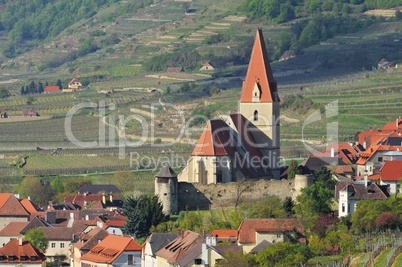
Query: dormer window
point(256, 92)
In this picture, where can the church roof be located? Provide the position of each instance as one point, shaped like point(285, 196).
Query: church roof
point(219, 139)
point(215, 140)
point(259, 72)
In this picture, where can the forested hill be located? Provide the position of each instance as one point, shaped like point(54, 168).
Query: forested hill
point(24, 23)
point(286, 10)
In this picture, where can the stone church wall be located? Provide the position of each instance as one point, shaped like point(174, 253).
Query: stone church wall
point(216, 196)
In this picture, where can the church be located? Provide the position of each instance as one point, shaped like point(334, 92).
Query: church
point(243, 145)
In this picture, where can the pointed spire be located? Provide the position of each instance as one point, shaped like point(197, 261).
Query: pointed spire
point(259, 74)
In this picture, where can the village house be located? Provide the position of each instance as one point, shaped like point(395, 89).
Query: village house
point(252, 232)
point(11, 210)
point(390, 174)
point(383, 64)
point(113, 251)
point(185, 250)
point(95, 201)
point(51, 89)
point(349, 194)
point(207, 66)
point(74, 84)
point(245, 144)
point(98, 189)
point(21, 253)
point(152, 244)
point(84, 243)
point(29, 113)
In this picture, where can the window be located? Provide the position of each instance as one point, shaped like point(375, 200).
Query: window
point(219, 177)
point(379, 159)
point(61, 245)
point(343, 207)
point(33, 258)
point(10, 258)
point(197, 261)
point(130, 259)
point(255, 115)
point(23, 258)
point(53, 245)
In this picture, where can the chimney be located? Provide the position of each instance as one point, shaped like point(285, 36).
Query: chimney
point(20, 241)
point(332, 152)
point(365, 179)
point(29, 198)
point(87, 217)
point(103, 199)
point(111, 198)
point(72, 215)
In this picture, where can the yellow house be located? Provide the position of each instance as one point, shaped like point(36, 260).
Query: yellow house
point(74, 84)
point(255, 231)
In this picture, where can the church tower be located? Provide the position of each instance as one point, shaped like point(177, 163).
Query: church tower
point(259, 104)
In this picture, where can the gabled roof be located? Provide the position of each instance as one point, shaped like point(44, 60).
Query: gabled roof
point(220, 139)
point(35, 223)
point(391, 171)
point(13, 229)
point(98, 188)
point(187, 243)
point(73, 80)
point(224, 233)
point(110, 248)
point(52, 88)
point(11, 206)
point(372, 150)
point(215, 140)
point(29, 206)
point(259, 72)
point(14, 249)
point(86, 241)
point(359, 191)
point(249, 227)
point(159, 240)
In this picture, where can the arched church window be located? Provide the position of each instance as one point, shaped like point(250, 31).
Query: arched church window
point(255, 115)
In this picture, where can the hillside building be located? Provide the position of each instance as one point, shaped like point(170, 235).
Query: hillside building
point(243, 145)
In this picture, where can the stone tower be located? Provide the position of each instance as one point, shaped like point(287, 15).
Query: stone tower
point(259, 104)
point(166, 188)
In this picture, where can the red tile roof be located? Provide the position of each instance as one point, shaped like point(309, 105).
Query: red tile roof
point(215, 140)
point(366, 155)
point(17, 251)
point(73, 80)
point(51, 88)
point(259, 72)
point(224, 233)
point(391, 171)
point(10, 206)
point(110, 248)
point(249, 227)
point(29, 206)
point(182, 246)
point(13, 228)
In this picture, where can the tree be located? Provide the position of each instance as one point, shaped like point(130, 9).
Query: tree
point(322, 174)
point(4, 93)
point(22, 90)
point(40, 88)
point(284, 254)
point(30, 187)
point(237, 259)
point(36, 237)
point(59, 84)
point(312, 202)
point(292, 169)
point(142, 213)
